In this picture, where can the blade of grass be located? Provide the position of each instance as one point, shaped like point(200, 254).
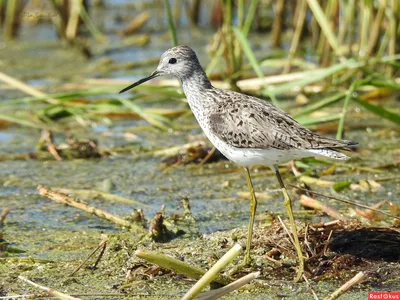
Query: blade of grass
point(9, 19)
point(171, 23)
point(229, 39)
point(22, 121)
point(215, 60)
point(365, 19)
point(393, 13)
point(252, 59)
point(320, 104)
point(63, 97)
point(389, 58)
point(349, 95)
point(250, 55)
point(97, 34)
point(391, 84)
point(309, 77)
point(302, 7)
point(73, 20)
point(153, 119)
point(380, 111)
point(60, 96)
point(346, 22)
point(25, 88)
point(315, 76)
point(296, 62)
point(249, 17)
point(376, 27)
point(324, 24)
point(306, 121)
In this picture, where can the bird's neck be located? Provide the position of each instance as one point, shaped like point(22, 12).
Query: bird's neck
point(196, 83)
point(197, 89)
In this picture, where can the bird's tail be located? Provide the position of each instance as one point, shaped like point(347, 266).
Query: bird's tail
point(348, 145)
point(331, 153)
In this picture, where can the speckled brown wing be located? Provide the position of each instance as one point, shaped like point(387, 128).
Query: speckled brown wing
point(255, 123)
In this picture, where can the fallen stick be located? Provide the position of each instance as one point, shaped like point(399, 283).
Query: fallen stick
point(213, 272)
point(208, 156)
point(102, 244)
point(286, 230)
point(317, 205)
point(348, 285)
point(96, 194)
point(136, 23)
point(345, 201)
point(215, 294)
point(4, 215)
point(64, 199)
point(175, 265)
point(50, 291)
point(47, 136)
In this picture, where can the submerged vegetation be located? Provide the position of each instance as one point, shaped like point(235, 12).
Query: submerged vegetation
point(333, 64)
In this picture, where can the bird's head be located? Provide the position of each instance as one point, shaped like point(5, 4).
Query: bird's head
point(179, 62)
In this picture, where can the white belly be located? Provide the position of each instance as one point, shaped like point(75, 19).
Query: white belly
point(254, 157)
point(268, 157)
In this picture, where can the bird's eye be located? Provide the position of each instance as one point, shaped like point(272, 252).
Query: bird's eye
point(172, 61)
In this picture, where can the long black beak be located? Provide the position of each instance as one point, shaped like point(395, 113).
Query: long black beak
point(151, 76)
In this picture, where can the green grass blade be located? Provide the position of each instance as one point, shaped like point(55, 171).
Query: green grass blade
point(315, 76)
point(171, 23)
point(324, 24)
point(249, 17)
point(215, 60)
point(382, 112)
point(346, 103)
point(22, 121)
point(249, 53)
point(306, 121)
point(320, 104)
point(252, 59)
point(97, 34)
point(391, 84)
point(60, 96)
point(320, 74)
point(153, 119)
point(389, 58)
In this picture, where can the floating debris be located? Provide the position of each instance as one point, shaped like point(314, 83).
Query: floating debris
point(71, 149)
point(161, 230)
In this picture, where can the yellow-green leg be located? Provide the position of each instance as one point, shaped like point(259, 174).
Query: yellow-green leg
point(288, 206)
point(253, 208)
